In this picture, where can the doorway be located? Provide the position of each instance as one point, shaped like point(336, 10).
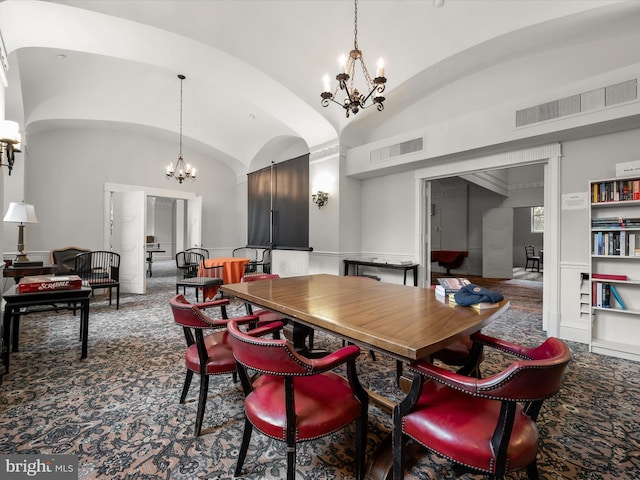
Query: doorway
point(125, 221)
point(547, 155)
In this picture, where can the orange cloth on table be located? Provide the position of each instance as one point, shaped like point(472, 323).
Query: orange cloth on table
point(232, 271)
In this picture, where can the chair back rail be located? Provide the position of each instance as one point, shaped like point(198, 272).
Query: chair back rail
point(65, 258)
point(100, 269)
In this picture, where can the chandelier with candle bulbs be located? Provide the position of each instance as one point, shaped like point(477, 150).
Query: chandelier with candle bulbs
point(354, 100)
point(181, 171)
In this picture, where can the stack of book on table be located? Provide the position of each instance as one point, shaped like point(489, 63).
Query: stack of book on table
point(477, 306)
point(449, 286)
point(445, 292)
point(44, 283)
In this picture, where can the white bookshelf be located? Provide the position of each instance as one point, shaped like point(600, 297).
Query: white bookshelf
point(614, 219)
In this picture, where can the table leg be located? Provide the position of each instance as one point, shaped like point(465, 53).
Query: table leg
point(6, 337)
point(15, 332)
point(85, 327)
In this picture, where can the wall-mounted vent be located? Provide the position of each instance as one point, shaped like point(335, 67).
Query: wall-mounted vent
point(404, 148)
point(583, 102)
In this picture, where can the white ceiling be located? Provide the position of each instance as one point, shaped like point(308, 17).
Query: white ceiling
point(254, 68)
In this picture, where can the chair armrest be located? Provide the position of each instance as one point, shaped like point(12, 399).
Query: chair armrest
point(511, 383)
point(212, 303)
point(223, 322)
point(264, 327)
point(460, 382)
point(332, 360)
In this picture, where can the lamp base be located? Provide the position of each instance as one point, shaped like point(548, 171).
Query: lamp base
point(21, 257)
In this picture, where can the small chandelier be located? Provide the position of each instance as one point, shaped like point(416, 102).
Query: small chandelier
point(355, 100)
point(181, 171)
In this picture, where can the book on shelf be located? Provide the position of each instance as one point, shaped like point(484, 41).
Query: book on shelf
point(449, 285)
point(44, 283)
point(601, 295)
point(619, 243)
point(615, 191)
point(607, 276)
point(616, 295)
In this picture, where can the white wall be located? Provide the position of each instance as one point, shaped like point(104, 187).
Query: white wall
point(387, 221)
point(68, 168)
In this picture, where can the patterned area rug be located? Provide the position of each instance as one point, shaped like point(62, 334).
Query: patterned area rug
point(118, 410)
point(522, 274)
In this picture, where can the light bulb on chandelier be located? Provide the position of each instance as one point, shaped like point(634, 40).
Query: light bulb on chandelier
point(181, 171)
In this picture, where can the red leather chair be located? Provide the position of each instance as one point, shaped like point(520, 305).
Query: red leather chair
point(486, 426)
point(206, 354)
point(295, 398)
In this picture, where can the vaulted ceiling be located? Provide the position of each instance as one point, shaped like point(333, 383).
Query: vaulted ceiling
point(254, 68)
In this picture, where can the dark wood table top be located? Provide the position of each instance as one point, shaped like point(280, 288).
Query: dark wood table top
point(12, 296)
point(406, 322)
point(15, 271)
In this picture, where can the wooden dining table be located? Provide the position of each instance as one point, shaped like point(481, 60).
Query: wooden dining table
point(404, 322)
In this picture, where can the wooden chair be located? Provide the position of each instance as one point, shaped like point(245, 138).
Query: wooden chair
point(188, 265)
point(259, 259)
point(486, 426)
point(206, 354)
point(296, 399)
point(202, 251)
point(530, 252)
point(100, 269)
point(65, 258)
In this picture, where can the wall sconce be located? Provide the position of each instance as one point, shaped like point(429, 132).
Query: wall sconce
point(9, 142)
point(320, 198)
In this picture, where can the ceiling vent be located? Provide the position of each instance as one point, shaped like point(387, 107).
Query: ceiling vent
point(580, 103)
point(404, 148)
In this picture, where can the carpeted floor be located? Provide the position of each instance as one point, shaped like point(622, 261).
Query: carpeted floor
point(118, 410)
point(522, 274)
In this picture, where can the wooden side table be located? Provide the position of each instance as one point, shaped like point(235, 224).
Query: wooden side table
point(18, 304)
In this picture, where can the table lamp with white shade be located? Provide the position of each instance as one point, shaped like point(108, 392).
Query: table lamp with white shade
point(21, 213)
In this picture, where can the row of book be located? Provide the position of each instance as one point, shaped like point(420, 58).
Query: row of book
point(615, 191)
point(620, 243)
point(603, 294)
point(615, 222)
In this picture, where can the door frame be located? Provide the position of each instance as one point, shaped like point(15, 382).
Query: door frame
point(110, 188)
point(549, 155)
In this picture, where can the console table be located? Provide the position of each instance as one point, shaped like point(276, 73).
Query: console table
point(392, 266)
point(17, 272)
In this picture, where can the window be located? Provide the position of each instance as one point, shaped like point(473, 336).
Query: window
point(537, 219)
